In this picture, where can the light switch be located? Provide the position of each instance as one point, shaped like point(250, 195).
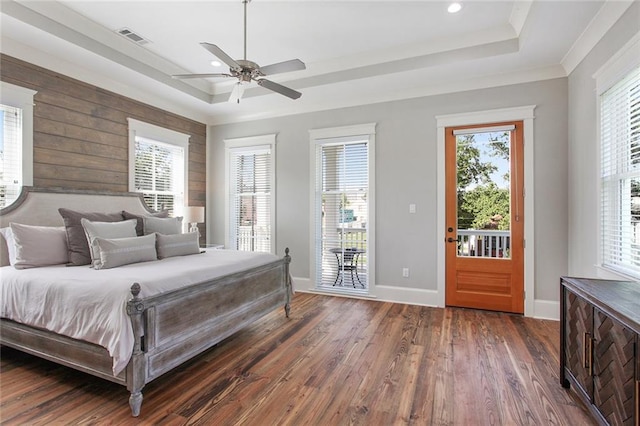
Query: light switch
point(412, 208)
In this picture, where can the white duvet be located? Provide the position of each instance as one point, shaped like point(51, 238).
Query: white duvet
point(90, 305)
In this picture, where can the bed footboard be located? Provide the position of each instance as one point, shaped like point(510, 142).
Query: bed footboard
point(172, 328)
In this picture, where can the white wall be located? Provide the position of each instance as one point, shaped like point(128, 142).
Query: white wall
point(406, 173)
point(584, 155)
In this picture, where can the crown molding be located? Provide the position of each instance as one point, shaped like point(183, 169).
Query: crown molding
point(519, 15)
point(606, 17)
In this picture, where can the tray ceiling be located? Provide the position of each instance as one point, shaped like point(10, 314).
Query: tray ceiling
point(356, 52)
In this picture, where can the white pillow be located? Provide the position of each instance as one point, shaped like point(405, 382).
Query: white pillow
point(11, 244)
point(123, 251)
point(39, 245)
point(166, 226)
point(177, 244)
point(123, 229)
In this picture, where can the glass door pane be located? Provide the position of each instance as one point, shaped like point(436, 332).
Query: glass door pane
point(343, 206)
point(484, 195)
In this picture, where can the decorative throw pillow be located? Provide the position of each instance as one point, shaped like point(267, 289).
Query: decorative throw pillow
point(76, 239)
point(37, 246)
point(11, 244)
point(177, 244)
point(168, 226)
point(123, 251)
point(124, 229)
point(140, 224)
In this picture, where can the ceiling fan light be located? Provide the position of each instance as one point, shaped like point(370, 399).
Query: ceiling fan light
point(454, 7)
point(237, 92)
point(216, 63)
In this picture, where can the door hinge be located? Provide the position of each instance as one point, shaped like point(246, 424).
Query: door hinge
point(524, 295)
point(524, 243)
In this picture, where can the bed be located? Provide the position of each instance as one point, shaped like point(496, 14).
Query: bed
point(161, 318)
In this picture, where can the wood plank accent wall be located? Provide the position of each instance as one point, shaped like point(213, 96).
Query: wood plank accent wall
point(80, 132)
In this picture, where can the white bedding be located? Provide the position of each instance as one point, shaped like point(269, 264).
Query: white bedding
point(90, 305)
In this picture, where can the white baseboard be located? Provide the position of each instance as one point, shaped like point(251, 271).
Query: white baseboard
point(546, 309)
point(411, 296)
point(407, 295)
point(543, 309)
point(301, 284)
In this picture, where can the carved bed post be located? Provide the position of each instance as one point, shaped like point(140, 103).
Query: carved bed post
point(135, 383)
point(287, 277)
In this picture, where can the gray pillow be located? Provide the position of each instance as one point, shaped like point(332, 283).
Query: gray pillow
point(37, 246)
point(168, 226)
point(11, 244)
point(76, 239)
point(123, 251)
point(126, 228)
point(177, 244)
point(140, 224)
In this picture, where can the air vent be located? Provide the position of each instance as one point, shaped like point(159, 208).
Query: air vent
point(126, 32)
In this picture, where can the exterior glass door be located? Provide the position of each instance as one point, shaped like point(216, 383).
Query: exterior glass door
point(485, 219)
point(342, 215)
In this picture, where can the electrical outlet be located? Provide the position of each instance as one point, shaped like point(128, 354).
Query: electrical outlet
point(405, 272)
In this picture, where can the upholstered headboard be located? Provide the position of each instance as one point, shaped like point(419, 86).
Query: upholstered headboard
point(39, 206)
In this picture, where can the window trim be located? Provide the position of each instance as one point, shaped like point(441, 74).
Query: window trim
point(246, 143)
point(317, 136)
point(23, 98)
point(608, 75)
point(163, 135)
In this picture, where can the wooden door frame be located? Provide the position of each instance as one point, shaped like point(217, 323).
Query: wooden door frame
point(526, 115)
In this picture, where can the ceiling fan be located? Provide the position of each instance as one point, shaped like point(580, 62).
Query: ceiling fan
point(246, 71)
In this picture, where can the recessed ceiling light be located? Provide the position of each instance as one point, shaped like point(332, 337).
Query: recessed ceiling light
point(454, 7)
point(216, 63)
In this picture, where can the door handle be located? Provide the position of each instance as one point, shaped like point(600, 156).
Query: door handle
point(452, 240)
point(588, 352)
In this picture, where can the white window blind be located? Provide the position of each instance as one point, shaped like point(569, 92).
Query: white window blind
point(620, 175)
point(342, 212)
point(10, 154)
point(250, 198)
point(159, 174)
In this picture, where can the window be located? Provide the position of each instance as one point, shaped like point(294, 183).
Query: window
point(10, 154)
point(620, 168)
point(158, 166)
point(341, 207)
point(250, 193)
point(16, 141)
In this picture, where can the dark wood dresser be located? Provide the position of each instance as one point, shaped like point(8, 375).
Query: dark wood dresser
point(599, 345)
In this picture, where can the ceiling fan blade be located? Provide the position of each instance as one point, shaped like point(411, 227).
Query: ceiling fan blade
point(290, 93)
point(184, 76)
point(219, 53)
point(286, 66)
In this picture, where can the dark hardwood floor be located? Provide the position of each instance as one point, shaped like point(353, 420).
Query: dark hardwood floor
point(335, 361)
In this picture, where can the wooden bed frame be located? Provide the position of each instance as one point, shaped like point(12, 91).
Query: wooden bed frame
point(169, 328)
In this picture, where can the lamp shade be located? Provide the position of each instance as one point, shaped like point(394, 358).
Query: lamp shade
point(193, 214)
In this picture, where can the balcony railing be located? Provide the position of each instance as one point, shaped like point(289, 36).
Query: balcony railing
point(253, 239)
point(353, 237)
point(484, 243)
